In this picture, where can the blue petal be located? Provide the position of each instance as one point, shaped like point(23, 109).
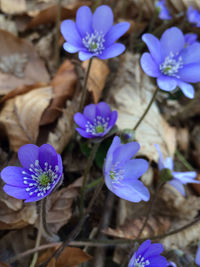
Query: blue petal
point(70, 48)
point(160, 160)
point(178, 185)
point(155, 249)
point(158, 261)
point(190, 38)
point(70, 33)
point(112, 51)
point(168, 163)
point(16, 192)
point(187, 89)
point(191, 54)
point(90, 112)
point(149, 66)
point(102, 19)
point(116, 32)
point(109, 157)
point(103, 109)
point(27, 155)
point(135, 168)
point(190, 73)
point(113, 118)
point(84, 20)
point(60, 165)
point(84, 55)
point(166, 83)
point(143, 247)
point(84, 133)
point(13, 176)
point(134, 192)
point(153, 45)
point(185, 177)
point(80, 120)
point(47, 153)
point(197, 258)
point(125, 152)
point(172, 40)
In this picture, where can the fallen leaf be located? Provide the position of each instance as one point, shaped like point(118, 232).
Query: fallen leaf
point(64, 85)
point(21, 116)
point(2, 264)
point(13, 7)
point(131, 228)
point(131, 92)
point(70, 257)
point(60, 205)
point(97, 77)
point(19, 63)
point(64, 129)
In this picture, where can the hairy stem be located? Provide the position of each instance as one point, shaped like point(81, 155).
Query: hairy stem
point(84, 92)
point(57, 48)
point(147, 109)
point(85, 176)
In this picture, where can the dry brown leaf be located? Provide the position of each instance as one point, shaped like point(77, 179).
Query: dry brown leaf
point(21, 116)
point(97, 77)
point(131, 92)
point(19, 63)
point(64, 130)
point(70, 257)
point(48, 14)
point(60, 205)
point(64, 85)
point(13, 214)
point(2, 264)
point(13, 6)
point(130, 229)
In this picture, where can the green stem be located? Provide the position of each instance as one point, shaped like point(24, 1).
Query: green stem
point(94, 183)
point(83, 97)
point(38, 239)
point(85, 176)
point(57, 48)
point(147, 109)
point(184, 161)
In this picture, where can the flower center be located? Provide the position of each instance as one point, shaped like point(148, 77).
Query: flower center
point(171, 65)
point(94, 42)
point(39, 180)
point(141, 262)
point(98, 126)
point(116, 173)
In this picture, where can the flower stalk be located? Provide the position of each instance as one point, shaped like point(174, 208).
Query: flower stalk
point(147, 109)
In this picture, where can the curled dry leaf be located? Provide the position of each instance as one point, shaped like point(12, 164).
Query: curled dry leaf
point(70, 257)
point(13, 214)
point(21, 116)
point(131, 93)
point(130, 229)
point(60, 205)
point(19, 63)
point(64, 85)
point(97, 77)
point(64, 130)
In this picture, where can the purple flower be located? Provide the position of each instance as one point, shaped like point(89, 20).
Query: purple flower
point(190, 38)
point(171, 264)
point(193, 16)
point(178, 178)
point(171, 62)
point(40, 172)
point(148, 255)
point(197, 258)
point(163, 12)
point(93, 35)
point(96, 121)
point(121, 172)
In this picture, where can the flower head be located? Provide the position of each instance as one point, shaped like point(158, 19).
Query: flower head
point(190, 38)
point(173, 64)
point(197, 258)
point(193, 16)
point(93, 35)
point(96, 121)
point(178, 179)
point(121, 172)
point(40, 172)
point(163, 12)
point(148, 255)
